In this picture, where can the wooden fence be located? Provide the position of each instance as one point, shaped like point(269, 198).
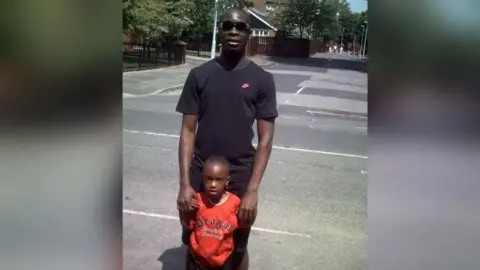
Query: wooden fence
point(284, 47)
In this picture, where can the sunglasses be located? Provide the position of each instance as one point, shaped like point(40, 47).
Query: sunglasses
point(240, 26)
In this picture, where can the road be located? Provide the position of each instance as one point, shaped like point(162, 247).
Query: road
point(312, 212)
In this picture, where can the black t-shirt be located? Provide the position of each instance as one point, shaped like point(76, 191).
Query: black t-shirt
point(227, 103)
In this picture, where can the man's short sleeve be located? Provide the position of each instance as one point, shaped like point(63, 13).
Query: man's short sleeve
point(266, 105)
point(189, 100)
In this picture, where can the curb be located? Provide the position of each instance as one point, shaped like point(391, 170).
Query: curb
point(340, 114)
point(197, 58)
point(205, 59)
point(153, 69)
point(157, 92)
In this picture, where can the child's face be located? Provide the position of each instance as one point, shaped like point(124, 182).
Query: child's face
point(215, 179)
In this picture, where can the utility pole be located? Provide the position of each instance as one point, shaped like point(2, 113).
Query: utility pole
point(214, 34)
point(361, 41)
point(341, 40)
point(365, 40)
point(354, 40)
point(336, 39)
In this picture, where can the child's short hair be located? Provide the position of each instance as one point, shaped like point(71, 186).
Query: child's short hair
point(217, 160)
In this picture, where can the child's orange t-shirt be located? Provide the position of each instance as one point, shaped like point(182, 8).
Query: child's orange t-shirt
point(211, 241)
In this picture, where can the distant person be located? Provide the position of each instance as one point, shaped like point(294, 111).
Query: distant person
point(222, 98)
point(210, 228)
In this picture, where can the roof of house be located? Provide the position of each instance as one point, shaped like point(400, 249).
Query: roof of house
point(259, 20)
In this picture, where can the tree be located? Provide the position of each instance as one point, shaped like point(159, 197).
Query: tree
point(326, 24)
point(330, 27)
point(165, 19)
point(203, 10)
point(297, 15)
point(357, 20)
point(156, 19)
point(244, 3)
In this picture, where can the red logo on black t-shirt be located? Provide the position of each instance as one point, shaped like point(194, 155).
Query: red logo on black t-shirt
point(245, 85)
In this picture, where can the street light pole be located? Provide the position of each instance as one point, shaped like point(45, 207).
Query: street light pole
point(354, 40)
point(361, 41)
point(336, 39)
point(365, 41)
point(214, 35)
point(341, 41)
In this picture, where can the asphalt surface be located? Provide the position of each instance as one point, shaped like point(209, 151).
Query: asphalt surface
point(312, 212)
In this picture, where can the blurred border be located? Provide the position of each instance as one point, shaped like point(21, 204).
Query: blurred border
point(61, 135)
point(423, 128)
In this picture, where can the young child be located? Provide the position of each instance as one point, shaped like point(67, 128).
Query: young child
point(211, 227)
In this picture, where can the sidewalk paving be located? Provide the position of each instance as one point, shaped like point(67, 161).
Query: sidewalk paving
point(156, 81)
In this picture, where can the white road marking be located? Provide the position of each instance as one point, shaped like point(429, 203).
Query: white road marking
point(300, 90)
point(288, 117)
point(152, 133)
point(170, 217)
point(362, 128)
point(274, 147)
point(318, 152)
point(363, 172)
point(337, 114)
point(292, 72)
point(150, 147)
point(324, 103)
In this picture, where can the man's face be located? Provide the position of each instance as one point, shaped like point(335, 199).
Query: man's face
point(234, 31)
point(215, 179)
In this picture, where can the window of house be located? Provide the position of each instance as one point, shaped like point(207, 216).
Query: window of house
point(259, 33)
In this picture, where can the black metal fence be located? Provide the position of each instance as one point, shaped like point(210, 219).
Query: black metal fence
point(139, 56)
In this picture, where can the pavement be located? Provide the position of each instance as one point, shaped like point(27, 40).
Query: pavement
point(312, 212)
point(156, 81)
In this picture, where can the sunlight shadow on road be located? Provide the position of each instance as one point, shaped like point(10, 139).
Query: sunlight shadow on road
point(174, 258)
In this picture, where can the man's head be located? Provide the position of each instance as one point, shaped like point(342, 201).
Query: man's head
point(216, 171)
point(234, 30)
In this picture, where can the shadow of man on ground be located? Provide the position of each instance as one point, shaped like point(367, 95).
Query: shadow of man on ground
point(174, 258)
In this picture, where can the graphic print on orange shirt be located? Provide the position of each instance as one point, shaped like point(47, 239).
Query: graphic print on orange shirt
point(212, 239)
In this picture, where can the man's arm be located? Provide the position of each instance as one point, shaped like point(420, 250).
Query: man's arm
point(266, 112)
point(265, 132)
point(188, 105)
point(186, 146)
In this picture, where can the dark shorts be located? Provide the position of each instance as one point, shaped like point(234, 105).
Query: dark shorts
point(193, 265)
point(238, 185)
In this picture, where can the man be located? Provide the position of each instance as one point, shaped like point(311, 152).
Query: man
point(224, 97)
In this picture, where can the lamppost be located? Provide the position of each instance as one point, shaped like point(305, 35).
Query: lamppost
point(354, 34)
point(365, 39)
point(341, 30)
point(361, 41)
point(214, 34)
point(341, 41)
